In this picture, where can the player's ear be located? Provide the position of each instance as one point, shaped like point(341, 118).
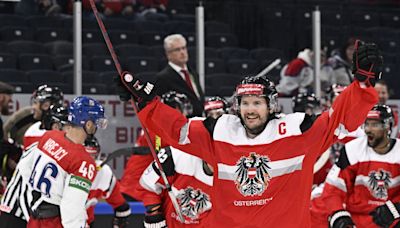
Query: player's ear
point(90, 127)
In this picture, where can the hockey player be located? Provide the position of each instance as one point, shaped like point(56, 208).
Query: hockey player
point(191, 180)
point(137, 163)
point(325, 162)
point(263, 164)
point(105, 186)
point(307, 103)
point(59, 171)
point(365, 177)
point(215, 107)
point(22, 122)
point(194, 201)
point(44, 97)
point(15, 203)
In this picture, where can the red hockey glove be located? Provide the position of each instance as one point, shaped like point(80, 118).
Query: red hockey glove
point(367, 63)
point(385, 215)
point(341, 219)
point(128, 85)
point(121, 216)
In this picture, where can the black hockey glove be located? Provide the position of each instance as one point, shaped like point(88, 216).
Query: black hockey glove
point(367, 62)
point(341, 219)
point(156, 220)
point(123, 93)
point(128, 86)
point(154, 217)
point(10, 148)
point(121, 216)
point(385, 215)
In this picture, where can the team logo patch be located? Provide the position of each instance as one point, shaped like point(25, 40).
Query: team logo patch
point(80, 183)
point(193, 202)
point(379, 183)
point(251, 175)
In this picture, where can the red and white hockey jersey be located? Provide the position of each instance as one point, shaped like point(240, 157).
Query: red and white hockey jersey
point(105, 186)
point(33, 134)
point(190, 184)
point(62, 172)
point(325, 161)
point(135, 166)
point(261, 181)
point(362, 180)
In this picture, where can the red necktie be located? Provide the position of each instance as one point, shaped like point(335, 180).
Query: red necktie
point(187, 79)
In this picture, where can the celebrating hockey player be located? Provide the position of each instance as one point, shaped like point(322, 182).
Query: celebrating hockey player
point(191, 179)
point(362, 188)
point(59, 171)
point(263, 163)
point(105, 186)
point(137, 163)
point(191, 186)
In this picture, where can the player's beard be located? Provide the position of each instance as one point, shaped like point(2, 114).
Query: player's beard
point(257, 129)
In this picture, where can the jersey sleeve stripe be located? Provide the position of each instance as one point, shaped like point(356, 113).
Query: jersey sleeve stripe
point(183, 135)
point(334, 179)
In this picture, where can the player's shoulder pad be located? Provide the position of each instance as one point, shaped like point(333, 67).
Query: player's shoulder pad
point(210, 123)
point(293, 120)
point(357, 150)
point(342, 161)
point(166, 160)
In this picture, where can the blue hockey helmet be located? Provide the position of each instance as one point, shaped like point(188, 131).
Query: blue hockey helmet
point(83, 109)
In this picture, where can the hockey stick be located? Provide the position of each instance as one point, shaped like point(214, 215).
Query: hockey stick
point(127, 151)
point(270, 67)
point(135, 107)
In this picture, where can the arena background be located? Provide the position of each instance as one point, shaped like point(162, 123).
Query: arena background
point(282, 26)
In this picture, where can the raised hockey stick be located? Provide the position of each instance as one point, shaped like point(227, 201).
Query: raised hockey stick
point(135, 107)
point(270, 67)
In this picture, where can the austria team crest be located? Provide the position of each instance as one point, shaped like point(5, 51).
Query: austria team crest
point(379, 183)
point(251, 175)
point(193, 202)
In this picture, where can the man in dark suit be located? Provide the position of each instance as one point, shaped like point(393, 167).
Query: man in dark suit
point(178, 76)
